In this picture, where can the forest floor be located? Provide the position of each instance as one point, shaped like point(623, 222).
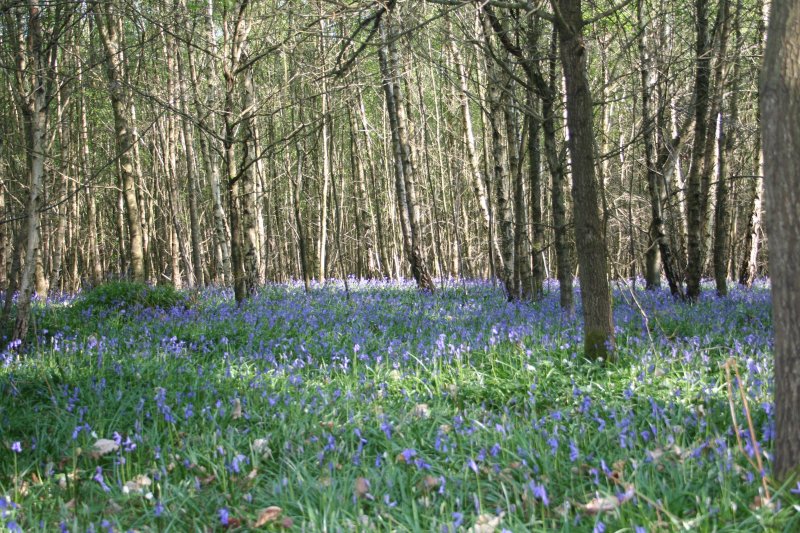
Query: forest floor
point(391, 410)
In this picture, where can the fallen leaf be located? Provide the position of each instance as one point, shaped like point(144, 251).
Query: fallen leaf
point(361, 489)
point(429, 483)
point(261, 447)
point(207, 480)
point(607, 503)
point(233, 523)
point(759, 502)
point(252, 475)
point(237, 409)
point(112, 508)
point(103, 447)
point(137, 484)
point(421, 410)
point(486, 523)
point(656, 454)
point(287, 523)
point(270, 514)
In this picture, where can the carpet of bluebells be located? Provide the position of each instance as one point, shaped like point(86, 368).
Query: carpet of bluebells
point(386, 409)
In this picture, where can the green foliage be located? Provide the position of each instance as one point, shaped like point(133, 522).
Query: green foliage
point(227, 410)
point(118, 295)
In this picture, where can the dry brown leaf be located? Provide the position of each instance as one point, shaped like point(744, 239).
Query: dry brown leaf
point(137, 484)
point(233, 523)
point(421, 410)
point(270, 514)
point(207, 480)
point(361, 489)
point(103, 447)
point(429, 483)
point(287, 523)
point(607, 503)
point(261, 447)
point(486, 523)
point(656, 454)
point(237, 409)
point(759, 502)
point(252, 475)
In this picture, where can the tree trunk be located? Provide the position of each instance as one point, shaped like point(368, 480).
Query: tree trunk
point(31, 95)
point(780, 108)
point(252, 244)
point(107, 24)
point(697, 195)
point(499, 84)
point(404, 169)
point(192, 178)
point(235, 35)
point(595, 290)
point(547, 92)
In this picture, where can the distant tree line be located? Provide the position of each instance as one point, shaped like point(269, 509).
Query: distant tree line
point(238, 142)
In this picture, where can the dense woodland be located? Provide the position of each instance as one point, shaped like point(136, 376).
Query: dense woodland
point(241, 142)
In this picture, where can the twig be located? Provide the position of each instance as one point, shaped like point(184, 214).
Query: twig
point(758, 465)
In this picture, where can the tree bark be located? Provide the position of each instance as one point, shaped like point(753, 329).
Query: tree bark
point(780, 109)
point(108, 28)
point(404, 168)
point(697, 194)
point(589, 240)
point(31, 93)
point(499, 84)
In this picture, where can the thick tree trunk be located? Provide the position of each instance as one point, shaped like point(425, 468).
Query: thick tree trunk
point(235, 33)
point(595, 290)
point(780, 109)
point(697, 194)
point(30, 90)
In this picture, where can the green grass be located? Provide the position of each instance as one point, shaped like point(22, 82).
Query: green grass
point(490, 419)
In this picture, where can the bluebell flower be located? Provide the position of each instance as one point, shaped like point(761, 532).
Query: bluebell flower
point(539, 492)
point(98, 477)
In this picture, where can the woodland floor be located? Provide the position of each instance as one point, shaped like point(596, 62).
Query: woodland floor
point(391, 410)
